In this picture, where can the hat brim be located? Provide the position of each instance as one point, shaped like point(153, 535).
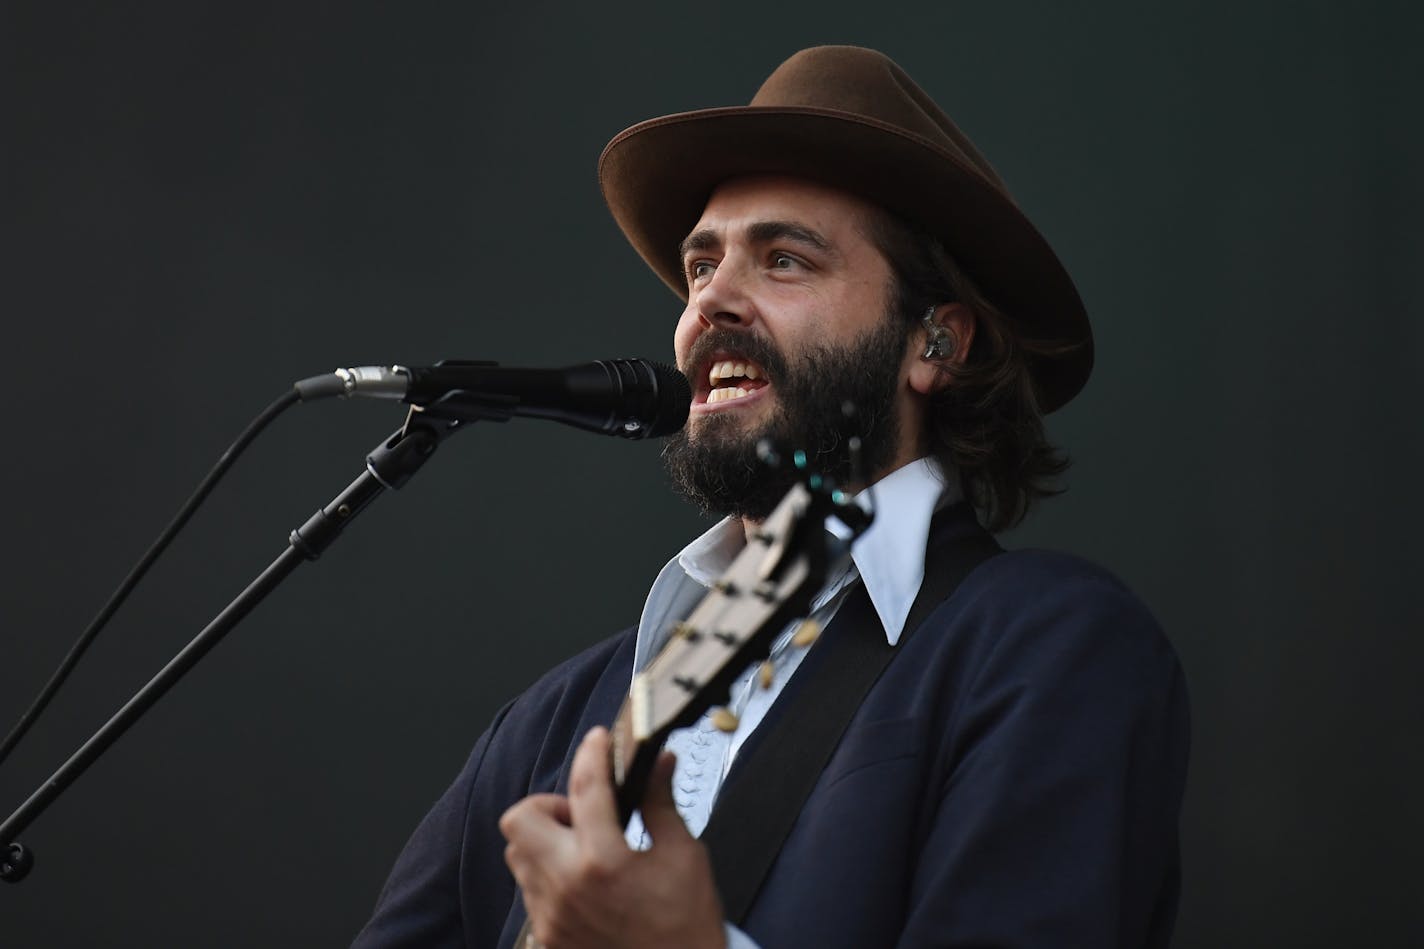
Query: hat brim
point(658, 175)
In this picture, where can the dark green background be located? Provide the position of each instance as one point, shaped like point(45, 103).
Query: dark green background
point(204, 202)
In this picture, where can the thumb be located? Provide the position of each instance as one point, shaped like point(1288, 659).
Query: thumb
point(660, 814)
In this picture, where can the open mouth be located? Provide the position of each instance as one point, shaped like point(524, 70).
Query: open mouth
point(730, 378)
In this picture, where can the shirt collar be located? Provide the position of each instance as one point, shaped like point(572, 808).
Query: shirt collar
point(889, 556)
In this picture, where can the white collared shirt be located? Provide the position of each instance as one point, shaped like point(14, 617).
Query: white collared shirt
point(889, 557)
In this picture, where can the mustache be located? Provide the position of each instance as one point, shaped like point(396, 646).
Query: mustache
point(743, 342)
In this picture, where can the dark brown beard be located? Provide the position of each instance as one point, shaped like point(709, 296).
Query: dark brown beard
point(718, 469)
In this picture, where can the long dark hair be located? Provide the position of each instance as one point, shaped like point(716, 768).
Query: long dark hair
point(985, 426)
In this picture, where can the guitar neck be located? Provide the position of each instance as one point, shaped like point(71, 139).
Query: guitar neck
point(630, 763)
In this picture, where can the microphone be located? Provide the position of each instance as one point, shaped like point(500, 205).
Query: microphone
point(632, 398)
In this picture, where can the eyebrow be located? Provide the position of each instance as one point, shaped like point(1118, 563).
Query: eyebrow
point(760, 232)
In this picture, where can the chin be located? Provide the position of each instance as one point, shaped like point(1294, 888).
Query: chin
point(728, 428)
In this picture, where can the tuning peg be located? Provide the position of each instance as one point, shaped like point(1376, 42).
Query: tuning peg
point(806, 633)
point(766, 673)
point(724, 720)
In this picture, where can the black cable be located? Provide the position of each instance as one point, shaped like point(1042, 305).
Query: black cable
point(86, 638)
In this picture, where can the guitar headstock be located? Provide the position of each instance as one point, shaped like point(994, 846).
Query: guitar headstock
point(769, 584)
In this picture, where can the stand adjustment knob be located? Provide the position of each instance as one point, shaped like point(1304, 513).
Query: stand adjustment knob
point(16, 863)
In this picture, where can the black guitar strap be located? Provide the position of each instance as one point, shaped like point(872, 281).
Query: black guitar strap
point(780, 764)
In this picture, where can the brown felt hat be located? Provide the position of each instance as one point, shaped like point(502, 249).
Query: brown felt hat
point(850, 118)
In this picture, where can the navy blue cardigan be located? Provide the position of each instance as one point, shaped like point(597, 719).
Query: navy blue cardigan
point(1012, 780)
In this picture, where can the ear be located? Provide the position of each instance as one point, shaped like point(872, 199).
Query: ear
point(952, 325)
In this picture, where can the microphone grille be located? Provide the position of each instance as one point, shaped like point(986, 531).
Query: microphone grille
point(674, 400)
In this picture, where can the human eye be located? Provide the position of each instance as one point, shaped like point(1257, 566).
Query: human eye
point(780, 260)
point(699, 270)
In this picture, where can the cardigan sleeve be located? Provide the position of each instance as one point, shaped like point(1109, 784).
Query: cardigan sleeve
point(449, 886)
point(1061, 783)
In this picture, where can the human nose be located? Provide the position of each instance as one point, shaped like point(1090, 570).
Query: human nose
point(723, 299)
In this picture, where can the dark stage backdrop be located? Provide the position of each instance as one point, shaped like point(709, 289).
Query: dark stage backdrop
point(203, 202)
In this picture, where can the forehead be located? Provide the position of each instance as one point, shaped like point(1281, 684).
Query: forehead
point(741, 202)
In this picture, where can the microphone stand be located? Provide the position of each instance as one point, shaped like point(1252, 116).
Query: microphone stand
point(390, 465)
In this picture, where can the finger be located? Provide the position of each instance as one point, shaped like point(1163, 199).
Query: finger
point(660, 814)
point(591, 803)
point(537, 828)
point(554, 806)
point(535, 807)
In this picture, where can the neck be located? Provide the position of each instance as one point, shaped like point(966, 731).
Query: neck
point(906, 457)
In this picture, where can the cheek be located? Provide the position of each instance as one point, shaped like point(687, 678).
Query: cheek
point(684, 336)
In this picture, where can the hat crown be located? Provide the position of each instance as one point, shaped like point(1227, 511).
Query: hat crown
point(867, 84)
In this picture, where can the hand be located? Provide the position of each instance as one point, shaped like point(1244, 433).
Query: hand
point(585, 888)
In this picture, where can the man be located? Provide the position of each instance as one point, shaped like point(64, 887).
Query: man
point(1014, 775)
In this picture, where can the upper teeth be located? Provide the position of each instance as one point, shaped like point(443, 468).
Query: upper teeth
point(730, 369)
